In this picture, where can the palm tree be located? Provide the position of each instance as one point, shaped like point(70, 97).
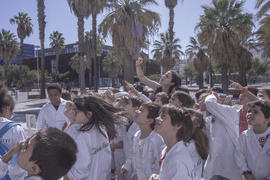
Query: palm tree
point(57, 43)
point(111, 65)
point(264, 6)
point(129, 22)
point(162, 51)
point(42, 23)
point(89, 49)
point(75, 63)
point(24, 29)
point(245, 57)
point(9, 48)
point(200, 60)
point(263, 33)
point(220, 28)
point(171, 5)
point(96, 6)
point(81, 10)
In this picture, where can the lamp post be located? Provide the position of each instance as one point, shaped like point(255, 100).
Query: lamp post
point(36, 53)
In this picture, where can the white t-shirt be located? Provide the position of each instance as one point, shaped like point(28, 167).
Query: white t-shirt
point(177, 164)
point(146, 155)
point(250, 156)
point(93, 157)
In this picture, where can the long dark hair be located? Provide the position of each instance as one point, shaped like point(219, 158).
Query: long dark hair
point(176, 80)
point(102, 114)
point(179, 117)
point(199, 136)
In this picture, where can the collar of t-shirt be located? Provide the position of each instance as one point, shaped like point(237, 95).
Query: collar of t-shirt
point(56, 107)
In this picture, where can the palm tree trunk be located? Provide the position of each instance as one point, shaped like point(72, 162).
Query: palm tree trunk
point(171, 24)
point(20, 60)
point(57, 62)
point(211, 75)
point(6, 74)
point(225, 77)
point(94, 27)
point(81, 39)
point(242, 73)
point(89, 69)
point(42, 23)
point(200, 80)
point(129, 68)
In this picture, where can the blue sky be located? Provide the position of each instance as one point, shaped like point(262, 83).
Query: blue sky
point(59, 17)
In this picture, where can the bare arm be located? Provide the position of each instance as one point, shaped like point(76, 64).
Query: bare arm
point(150, 83)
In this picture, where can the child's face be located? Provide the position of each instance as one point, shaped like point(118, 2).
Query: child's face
point(141, 115)
point(158, 101)
point(166, 79)
point(164, 126)
point(175, 101)
point(255, 117)
point(24, 157)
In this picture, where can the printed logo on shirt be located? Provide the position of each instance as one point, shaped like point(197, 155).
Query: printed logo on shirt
point(268, 152)
point(96, 150)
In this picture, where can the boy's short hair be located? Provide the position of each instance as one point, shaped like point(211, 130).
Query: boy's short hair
point(265, 107)
point(184, 98)
point(153, 112)
point(164, 98)
point(54, 152)
point(54, 86)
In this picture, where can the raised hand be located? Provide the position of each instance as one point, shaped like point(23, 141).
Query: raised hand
point(139, 61)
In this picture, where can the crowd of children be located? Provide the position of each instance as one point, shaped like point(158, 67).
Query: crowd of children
point(159, 134)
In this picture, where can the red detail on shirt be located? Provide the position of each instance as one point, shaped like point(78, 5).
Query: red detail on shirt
point(263, 140)
point(161, 160)
point(243, 125)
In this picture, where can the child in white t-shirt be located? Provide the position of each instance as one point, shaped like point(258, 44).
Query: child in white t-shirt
point(253, 151)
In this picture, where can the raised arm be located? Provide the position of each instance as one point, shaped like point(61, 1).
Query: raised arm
point(152, 84)
point(244, 90)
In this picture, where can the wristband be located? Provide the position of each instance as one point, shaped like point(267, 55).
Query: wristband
point(244, 89)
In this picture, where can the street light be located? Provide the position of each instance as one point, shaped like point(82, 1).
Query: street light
point(36, 54)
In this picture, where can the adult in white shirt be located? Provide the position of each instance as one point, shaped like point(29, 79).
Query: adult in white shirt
point(253, 151)
point(52, 113)
point(13, 135)
point(175, 126)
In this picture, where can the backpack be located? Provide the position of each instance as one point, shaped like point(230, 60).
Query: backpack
point(3, 148)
